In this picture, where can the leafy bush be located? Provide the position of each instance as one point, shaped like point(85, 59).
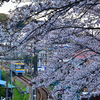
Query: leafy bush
point(2, 91)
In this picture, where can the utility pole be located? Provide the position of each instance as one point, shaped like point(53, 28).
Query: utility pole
point(46, 55)
point(11, 72)
point(31, 57)
point(6, 84)
point(88, 94)
point(35, 72)
point(31, 54)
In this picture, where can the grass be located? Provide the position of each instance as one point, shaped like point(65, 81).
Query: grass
point(17, 95)
point(27, 76)
point(26, 97)
point(19, 84)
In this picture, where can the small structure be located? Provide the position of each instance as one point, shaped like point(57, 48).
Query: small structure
point(9, 86)
point(9, 89)
point(2, 82)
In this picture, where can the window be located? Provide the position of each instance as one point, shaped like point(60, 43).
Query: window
point(19, 66)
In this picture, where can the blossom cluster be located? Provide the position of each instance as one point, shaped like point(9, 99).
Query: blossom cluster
point(53, 22)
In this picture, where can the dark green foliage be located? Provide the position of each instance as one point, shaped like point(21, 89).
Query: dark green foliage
point(2, 91)
point(3, 17)
point(20, 24)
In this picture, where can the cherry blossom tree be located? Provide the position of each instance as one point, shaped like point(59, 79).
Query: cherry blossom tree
point(72, 22)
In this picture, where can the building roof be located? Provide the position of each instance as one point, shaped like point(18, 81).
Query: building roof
point(2, 82)
point(9, 85)
point(82, 54)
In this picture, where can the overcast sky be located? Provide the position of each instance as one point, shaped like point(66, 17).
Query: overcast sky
point(6, 7)
point(9, 5)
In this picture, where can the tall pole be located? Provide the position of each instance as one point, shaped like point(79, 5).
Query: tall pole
point(35, 72)
point(6, 84)
point(11, 71)
point(6, 81)
point(31, 55)
point(11, 78)
point(88, 94)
